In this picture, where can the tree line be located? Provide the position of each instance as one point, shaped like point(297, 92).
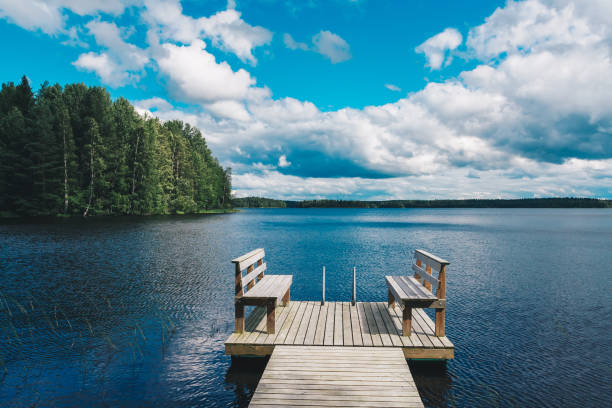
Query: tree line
point(73, 150)
point(566, 202)
point(257, 202)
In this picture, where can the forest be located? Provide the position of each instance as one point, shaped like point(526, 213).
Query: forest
point(567, 202)
point(73, 150)
point(258, 202)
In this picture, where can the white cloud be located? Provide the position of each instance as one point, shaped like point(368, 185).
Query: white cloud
point(33, 15)
point(436, 48)
point(325, 43)
point(226, 28)
point(108, 35)
point(393, 88)
point(196, 76)
point(294, 45)
point(93, 7)
point(282, 161)
point(533, 118)
point(332, 46)
point(571, 178)
point(103, 65)
point(48, 16)
point(234, 110)
point(229, 32)
point(120, 63)
point(152, 104)
point(530, 26)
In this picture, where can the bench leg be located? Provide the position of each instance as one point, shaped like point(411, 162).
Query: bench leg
point(287, 298)
point(271, 317)
point(406, 321)
point(239, 313)
point(440, 318)
point(391, 299)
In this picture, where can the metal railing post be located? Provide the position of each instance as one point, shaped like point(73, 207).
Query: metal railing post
point(323, 287)
point(354, 286)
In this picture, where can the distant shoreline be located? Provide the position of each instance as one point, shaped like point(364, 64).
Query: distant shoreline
point(563, 202)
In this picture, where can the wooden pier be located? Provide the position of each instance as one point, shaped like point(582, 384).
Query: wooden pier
point(339, 353)
point(367, 324)
point(336, 377)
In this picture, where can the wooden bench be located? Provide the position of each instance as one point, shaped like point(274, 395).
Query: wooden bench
point(260, 289)
point(416, 291)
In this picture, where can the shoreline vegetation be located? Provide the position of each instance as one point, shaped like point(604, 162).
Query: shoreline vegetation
point(561, 202)
point(73, 151)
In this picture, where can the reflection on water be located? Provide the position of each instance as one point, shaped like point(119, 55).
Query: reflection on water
point(433, 381)
point(134, 311)
point(243, 376)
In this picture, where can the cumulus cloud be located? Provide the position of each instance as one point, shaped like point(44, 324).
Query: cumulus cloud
point(533, 121)
point(282, 161)
point(225, 29)
point(121, 62)
point(104, 66)
point(577, 178)
point(332, 46)
point(195, 75)
point(33, 15)
point(531, 26)
point(436, 48)
point(48, 16)
point(325, 43)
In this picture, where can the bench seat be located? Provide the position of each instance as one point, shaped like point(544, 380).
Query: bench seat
point(411, 292)
point(416, 291)
point(258, 289)
point(271, 287)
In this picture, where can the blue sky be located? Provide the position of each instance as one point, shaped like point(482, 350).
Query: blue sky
point(351, 99)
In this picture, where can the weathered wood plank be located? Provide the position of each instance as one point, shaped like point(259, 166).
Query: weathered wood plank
point(271, 286)
point(436, 341)
point(246, 279)
point(427, 321)
point(425, 275)
point(397, 325)
point(430, 259)
point(284, 332)
point(295, 326)
point(338, 338)
point(260, 329)
point(329, 324)
point(249, 258)
point(355, 327)
point(281, 316)
point(362, 377)
point(301, 333)
point(346, 324)
point(248, 255)
point(371, 311)
point(416, 342)
point(388, 325)
point(320, 330)
point(312, 325)
point(366, 336)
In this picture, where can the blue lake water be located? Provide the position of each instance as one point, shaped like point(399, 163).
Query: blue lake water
point(134, 311)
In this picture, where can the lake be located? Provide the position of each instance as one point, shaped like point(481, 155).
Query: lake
point(134, 311)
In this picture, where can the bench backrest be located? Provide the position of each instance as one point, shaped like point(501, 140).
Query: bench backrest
point(424, 266)
point(255, 268)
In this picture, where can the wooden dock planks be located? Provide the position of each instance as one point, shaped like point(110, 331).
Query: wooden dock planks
point(339, 324)
point(336, 377)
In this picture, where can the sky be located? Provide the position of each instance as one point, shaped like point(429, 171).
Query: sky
point(351, 99)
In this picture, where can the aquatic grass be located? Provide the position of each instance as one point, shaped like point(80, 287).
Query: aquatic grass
point(95, 336)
